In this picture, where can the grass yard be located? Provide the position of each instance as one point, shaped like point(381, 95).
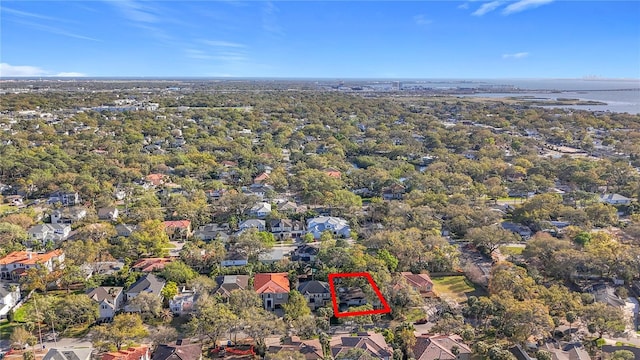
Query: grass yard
point(5, 329)
point(511, 250)
point(456, 288)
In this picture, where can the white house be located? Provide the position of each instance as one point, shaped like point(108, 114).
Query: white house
point(9, 297)
point(69, 354)
point(68, 216)
point(261, 210)
point(253, 223)
point(46, 232)
point(148, 283)
point(109, 299)
point(337, 226)
point(108, 213)
point(183, 302)
point(234, 258)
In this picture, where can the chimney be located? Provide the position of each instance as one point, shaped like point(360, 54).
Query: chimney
point(30, 255)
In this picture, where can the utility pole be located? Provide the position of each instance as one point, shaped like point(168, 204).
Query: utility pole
point(35, 305)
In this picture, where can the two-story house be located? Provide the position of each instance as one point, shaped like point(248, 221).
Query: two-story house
point(109, 213)
point(110, 300)
point(178, 230)
point(148, 283)
point(419, 282)
point(260, 210)
point(335, 225)
point(9, 297)
point(286, 229)
point(68, 215)
point(229, 283)
point(181, 350)
point(15, 264)
point(316, 292)
point(273, 288)
point(183, 302)
point(252, 224)
point(64, 198)
point(43, 233)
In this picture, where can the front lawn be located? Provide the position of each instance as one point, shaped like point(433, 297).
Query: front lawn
point(511, 250)
point(6, 328)
point(456, 288)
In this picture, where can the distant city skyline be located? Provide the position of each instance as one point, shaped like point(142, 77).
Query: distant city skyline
point(333, 39)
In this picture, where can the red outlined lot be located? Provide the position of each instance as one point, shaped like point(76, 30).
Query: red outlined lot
point(336, 311)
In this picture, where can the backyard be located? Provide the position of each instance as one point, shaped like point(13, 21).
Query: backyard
point(457, 288)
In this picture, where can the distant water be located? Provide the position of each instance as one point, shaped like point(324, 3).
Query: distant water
point(620, 95)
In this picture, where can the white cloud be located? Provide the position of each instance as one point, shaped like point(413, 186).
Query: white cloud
point(524, 5)
point(7, 70)
point(23, 70)
point(520, 55)
point(220, 43)
point(27, 14)
point(136, 11)
point(463, 6)
point(421, 20)
point(487, 7)
point(70, 74)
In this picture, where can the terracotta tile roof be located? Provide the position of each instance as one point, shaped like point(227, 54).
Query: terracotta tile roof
point(22, 257)
point(417, 279)
point(333, 173)
point(260, 178)
point(151, 264)
point(271, 283)
point(132, 353)
point(156, 179)
point(181, 224)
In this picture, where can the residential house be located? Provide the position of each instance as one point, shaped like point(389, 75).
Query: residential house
point(316, 292)
point(419, 282)
point(273, 288)
point(261, 179)
point(178, 230)
point(49, 232)
point(110, 300)
point(430, 347)
point(274, 255)
point(289, 207)
point(394, 192)
point(337, 226)
point(615, 199)
point(260, 210)
point(14, 200)
point(183, 302)
point(229, 283)
point(252, 223)
point(258, 190)
point(371, 343)
point(68, 215)
point(182, 350)
point(64, 198)
point(235, 258)
point(215, 194)
point(9, 297)
point(108, 213)
point(125, 229)
point(524, 231)
point(151, 264)
point(305, 253)
point(566, 351)
point(210, 232)
point(16, 263)
point(351, 297)
point(287, 229)
point(605, 294)
point(83, 353)
point(311, 349)
point(148, 283)
point(156, 179)
point(131, 353)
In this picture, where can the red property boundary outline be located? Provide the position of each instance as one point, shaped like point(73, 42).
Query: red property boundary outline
point(336, 311)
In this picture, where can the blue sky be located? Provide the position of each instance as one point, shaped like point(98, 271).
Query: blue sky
point(335, 39)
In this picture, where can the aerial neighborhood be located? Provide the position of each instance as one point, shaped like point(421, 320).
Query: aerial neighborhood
point(189, 220)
